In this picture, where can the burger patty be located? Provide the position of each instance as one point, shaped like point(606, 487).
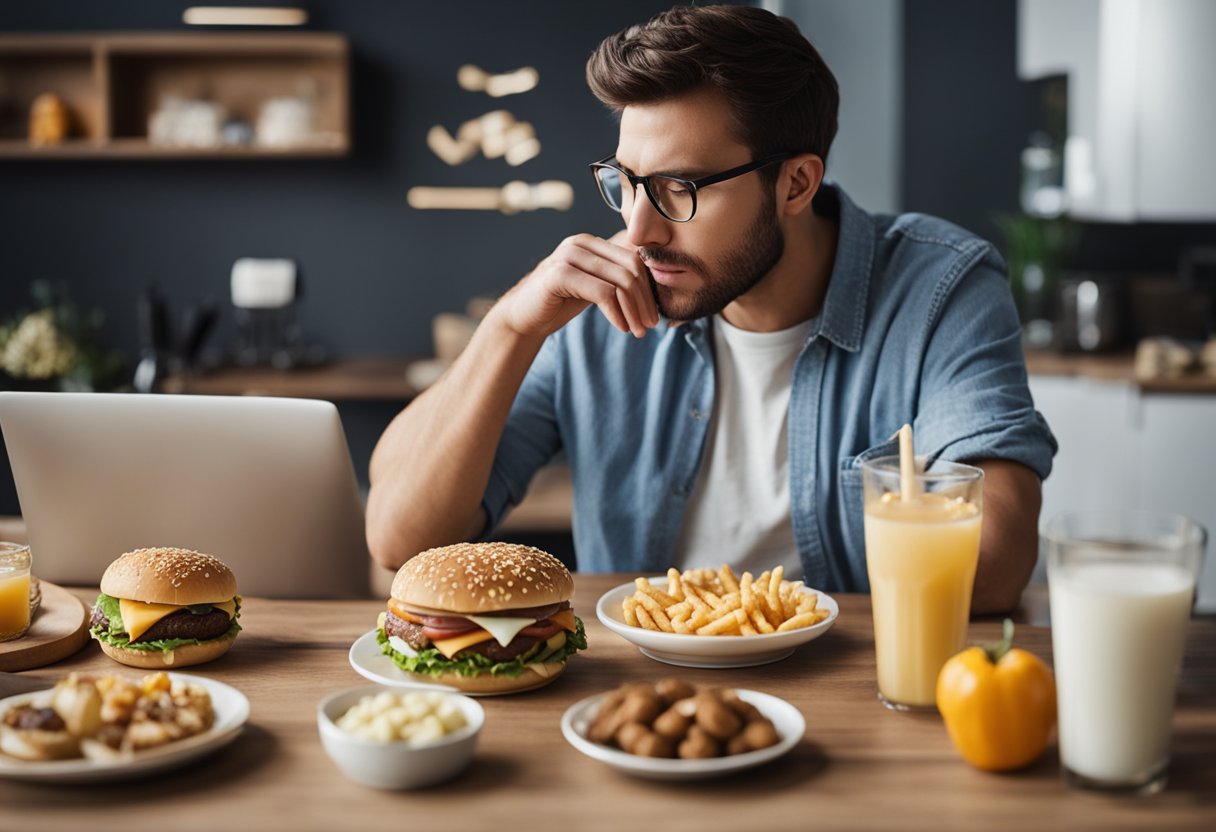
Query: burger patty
point(494, 651)
point(412, 635)
point(181, 624)
point(407, 631)
point(185, 624)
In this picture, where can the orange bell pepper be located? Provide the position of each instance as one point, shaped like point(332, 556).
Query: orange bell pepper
point(998, 703)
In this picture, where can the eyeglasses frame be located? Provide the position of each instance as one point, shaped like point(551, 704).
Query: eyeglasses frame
point(693, 185)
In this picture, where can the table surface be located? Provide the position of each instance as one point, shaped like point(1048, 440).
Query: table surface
point(858, 766)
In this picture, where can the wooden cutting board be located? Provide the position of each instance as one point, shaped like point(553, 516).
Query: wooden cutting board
point(60, 628)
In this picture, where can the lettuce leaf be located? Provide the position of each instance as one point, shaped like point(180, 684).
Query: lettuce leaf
point(431, 662)
point(117, 635)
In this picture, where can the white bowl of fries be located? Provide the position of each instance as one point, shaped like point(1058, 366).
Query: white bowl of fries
point(708, 618)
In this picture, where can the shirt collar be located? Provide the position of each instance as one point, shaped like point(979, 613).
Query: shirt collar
point(844, 306)
point(842, 320)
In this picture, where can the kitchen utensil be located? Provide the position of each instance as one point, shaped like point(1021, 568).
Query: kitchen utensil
point(1091, 314)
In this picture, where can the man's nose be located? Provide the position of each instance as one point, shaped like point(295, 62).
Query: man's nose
point(646, 226)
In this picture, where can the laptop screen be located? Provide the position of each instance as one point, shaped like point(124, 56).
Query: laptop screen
point(264, 484)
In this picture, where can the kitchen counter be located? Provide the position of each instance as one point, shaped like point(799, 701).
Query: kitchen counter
point(382, 378)
point(367, 378)
point(1119, 366)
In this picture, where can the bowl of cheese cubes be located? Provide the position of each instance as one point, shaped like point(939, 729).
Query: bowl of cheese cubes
point(397, 738)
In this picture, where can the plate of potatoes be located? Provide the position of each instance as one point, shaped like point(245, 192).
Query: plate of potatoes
point(672, 730)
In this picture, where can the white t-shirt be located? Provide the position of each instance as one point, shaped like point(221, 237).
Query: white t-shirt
point(739, 510)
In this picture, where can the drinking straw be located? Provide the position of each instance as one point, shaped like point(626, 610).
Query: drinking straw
point(907, 466)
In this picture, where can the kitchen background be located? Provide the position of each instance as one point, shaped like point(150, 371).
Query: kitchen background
point(950, 107)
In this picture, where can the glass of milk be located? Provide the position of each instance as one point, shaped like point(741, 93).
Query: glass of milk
point(1121, 585)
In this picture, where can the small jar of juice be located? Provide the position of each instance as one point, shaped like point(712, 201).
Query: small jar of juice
point(14, 590)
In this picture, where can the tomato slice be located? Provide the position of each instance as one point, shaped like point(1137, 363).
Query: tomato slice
point(438, 633)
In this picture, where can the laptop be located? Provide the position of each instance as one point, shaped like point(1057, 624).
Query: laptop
point(264, 484)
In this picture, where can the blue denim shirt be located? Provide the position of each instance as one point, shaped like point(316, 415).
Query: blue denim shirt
point(918, 325)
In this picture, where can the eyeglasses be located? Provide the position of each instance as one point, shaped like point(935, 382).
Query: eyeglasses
point(673, 197)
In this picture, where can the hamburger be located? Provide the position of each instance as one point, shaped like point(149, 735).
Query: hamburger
point(163, 608)
point(482, 617)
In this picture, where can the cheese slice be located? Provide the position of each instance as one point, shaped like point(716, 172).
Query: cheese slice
point(501, 627)
point(566, 619)
point(451, 646)
point(139, 617)
point(401, 612)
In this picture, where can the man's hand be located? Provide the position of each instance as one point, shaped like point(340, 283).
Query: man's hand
point(582, 270)
point(430, 468)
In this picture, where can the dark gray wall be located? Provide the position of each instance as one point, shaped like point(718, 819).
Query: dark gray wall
point(376, 269)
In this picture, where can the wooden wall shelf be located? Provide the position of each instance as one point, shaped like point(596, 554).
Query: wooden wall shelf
point(112, 84)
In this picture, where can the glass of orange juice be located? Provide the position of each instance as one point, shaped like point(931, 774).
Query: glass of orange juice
point(14, 590)
point(921, 554)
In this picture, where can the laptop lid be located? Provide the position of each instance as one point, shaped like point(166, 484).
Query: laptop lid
point(264, 484)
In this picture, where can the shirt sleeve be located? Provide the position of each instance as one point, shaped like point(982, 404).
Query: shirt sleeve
point(530, 439)
point(975, 402)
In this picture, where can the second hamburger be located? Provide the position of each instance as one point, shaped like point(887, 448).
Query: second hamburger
point(482, 617)
point(164, 608)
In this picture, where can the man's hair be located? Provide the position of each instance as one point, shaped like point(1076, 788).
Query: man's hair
point(781, 93)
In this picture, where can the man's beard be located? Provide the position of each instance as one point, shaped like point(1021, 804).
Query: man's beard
point(736, 272)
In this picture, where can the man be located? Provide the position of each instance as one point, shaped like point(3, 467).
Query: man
point(755, 336)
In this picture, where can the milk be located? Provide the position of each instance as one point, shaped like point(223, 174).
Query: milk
point(1118, 630)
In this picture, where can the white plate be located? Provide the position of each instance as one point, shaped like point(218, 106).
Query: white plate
point(785, 718)
point(709, 651)
point(369, 662)
point(231, 713)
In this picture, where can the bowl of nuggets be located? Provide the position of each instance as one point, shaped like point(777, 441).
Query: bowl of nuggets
point(101, 727)
point(715, 618)
point(673, 730)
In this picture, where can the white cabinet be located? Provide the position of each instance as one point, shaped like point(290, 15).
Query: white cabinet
point(1123, 449)
point(1141, 113)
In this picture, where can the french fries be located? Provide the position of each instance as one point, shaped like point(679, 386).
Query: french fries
point(709, 602)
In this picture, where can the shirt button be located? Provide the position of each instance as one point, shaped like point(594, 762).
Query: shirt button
point(697, 414)
point(680, 490)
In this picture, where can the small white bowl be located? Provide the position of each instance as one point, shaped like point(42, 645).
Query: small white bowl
point(710, 651)
point(396, 765)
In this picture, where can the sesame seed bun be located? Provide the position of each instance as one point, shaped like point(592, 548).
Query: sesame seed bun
point(482, 577)
point(169, 576)
point(183, 655)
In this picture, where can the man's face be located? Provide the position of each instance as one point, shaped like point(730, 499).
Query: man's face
point(698, 268)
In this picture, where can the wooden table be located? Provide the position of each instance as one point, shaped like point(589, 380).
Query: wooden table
point(859, 765)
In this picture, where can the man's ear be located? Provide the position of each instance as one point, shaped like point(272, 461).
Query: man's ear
point(799, 182)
